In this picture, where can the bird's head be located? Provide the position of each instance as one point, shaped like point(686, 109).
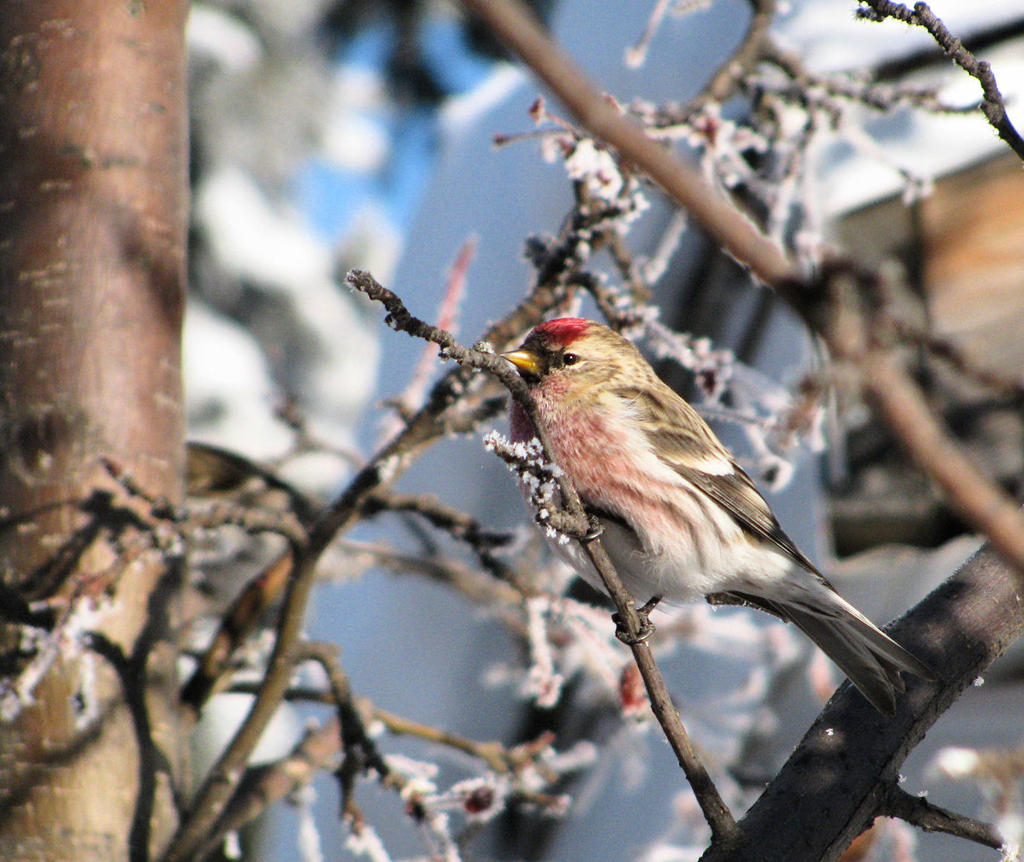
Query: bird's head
point(571, 352)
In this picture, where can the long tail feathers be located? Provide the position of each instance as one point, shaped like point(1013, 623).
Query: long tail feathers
point(869, 657)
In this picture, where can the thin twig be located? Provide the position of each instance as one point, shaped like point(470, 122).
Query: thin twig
point(871, 94)
point(455, 522)
point(515, 25)
point(931, 818)
point(478, 587)
point(315, 752)
point(992, 105)
point(497, 757)
point(948, 352)
point(742, 61)
point(716, 812)
point(578, 526)
point(637, 53)
point(411, 398)
point(462, 527)
point(360, 750)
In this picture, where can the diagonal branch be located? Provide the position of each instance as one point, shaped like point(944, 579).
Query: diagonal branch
point(517, 27)
point(982, 503)
point(839, 777)
point(399, 318)
point(993, 106)
point(931, 818)
point(756, 41)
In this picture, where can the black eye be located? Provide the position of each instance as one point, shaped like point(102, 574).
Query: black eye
point(570, 359)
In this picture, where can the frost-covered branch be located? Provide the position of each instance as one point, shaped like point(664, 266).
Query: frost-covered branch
point(342, 745)
point(517, 27)
point(429, 424)
point(577, 525)
point(982, 503)
point(521, 775)
point(539, 476)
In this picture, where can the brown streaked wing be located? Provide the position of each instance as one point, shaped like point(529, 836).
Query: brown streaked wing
point(667, 420)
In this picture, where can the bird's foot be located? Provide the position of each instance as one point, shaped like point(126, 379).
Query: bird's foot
point(646, 628)
point(595, 531)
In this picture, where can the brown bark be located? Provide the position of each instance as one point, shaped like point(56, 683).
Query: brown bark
point(93, 198)
point(845, 771)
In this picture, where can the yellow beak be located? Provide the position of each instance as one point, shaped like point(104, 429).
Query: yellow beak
point(525, 360)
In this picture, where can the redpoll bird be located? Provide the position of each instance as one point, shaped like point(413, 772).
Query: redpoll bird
point(680, 518)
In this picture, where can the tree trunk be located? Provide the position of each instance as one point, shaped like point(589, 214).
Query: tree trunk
point(93, 199)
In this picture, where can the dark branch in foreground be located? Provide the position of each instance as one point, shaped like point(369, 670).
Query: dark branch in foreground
point(931, 818)
point(825, 796)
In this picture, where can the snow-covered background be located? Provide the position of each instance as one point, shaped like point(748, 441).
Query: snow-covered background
point(310, 160)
